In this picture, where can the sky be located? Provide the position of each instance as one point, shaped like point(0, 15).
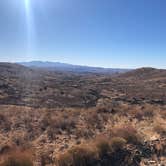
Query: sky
point(106, 33)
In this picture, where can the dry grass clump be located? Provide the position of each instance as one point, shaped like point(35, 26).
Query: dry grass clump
point(91, 153)
point(117, 143)
point(4, 149)
point(104, 109)
point(64, 159)
point(160, 129)
point(83, 155)
point(148, 113)
point(140, 113)
point(65, 124)
point(58, 122)
point(80, 155)
point(84, 132)
point(5, 124)
point(106, 146)
point(18, 158)
point(127, 132)
point(94, 119)
point(103, 146)
point(163, 114)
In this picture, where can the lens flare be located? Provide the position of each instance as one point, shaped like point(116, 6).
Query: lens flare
point(30, 27)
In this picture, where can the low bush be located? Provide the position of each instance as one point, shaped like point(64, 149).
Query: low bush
point(160, 129)
point(93, 120)
point(5, 124)
point(77, 156)
point(128, 132)
point(91, 154)
point(138, 114)
point(103, 146)
point(163, 114)
point(18, 159)
point(117, 143)
point(84, 133)
point(64, 159)
point(148, 112)
point(57, 123)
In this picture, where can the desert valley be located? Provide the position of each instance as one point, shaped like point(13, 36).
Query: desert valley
point(66, 118)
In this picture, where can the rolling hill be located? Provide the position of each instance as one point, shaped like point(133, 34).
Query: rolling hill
point(20, 85)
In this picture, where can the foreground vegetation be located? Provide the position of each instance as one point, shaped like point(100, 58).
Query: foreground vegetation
point(120, 134)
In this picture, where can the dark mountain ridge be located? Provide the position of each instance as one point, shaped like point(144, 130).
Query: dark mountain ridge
point(57, 66)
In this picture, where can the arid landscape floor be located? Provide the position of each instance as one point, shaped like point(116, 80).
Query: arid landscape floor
point(68, 119)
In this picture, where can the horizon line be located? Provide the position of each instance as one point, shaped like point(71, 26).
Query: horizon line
point(82, 65)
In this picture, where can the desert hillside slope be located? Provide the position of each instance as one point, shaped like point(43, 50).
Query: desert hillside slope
point(145, 84)
point(21, 85)
point(146, 73)
point(51, 118)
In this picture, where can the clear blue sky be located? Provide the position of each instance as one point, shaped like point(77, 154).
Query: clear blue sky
point(108, 33)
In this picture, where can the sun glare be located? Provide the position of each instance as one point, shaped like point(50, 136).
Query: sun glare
point(26, 1)
point(27, 5)
point(30, 26)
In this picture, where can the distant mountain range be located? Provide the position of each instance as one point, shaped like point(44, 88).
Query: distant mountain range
point(57, 66)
